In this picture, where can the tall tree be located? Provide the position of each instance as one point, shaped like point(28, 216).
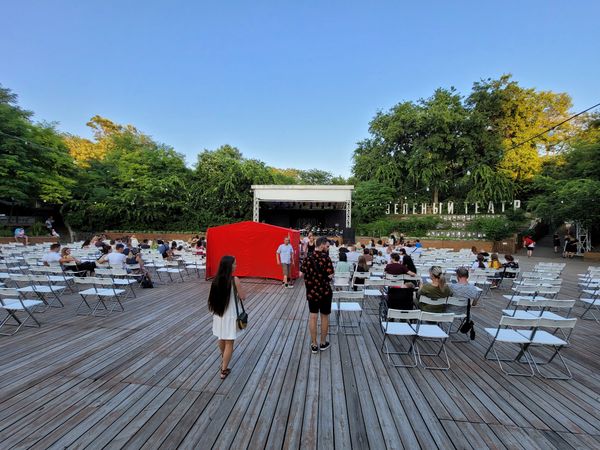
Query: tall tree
point(519, 114)
point(34, 162)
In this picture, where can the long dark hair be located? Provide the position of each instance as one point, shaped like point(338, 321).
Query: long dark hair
point(220, 289)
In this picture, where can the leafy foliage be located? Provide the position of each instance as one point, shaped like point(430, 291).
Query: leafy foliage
point(34, 162)
point(495, 228)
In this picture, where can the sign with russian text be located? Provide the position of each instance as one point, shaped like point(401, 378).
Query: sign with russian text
point(451, 208)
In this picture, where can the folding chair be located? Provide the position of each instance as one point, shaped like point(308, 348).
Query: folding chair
point(347, 302)
point(342, 281)
point(505, 333)
point(119, 277)
point(542, 338)
point(430, 330)
point(103, 295)
point(170, 267)
point(43, 288)
point(591, 303)
point(401, 327)
point(13, 302)
point(363, 276)
point(433, 302)
point(373, 289)
point(458, 307)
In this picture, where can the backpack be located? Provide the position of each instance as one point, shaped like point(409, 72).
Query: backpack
point(146, 282)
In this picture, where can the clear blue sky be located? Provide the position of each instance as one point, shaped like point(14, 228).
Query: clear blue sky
point(293, 83)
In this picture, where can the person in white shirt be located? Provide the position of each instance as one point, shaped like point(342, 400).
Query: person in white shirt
point(134, 241)
point(115, 259)
point(352, 255)
point(285, 257)
point(53, 256)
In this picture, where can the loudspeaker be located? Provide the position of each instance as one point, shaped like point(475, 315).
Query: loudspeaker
point(349, 235)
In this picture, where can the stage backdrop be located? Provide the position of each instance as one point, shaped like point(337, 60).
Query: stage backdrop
point(253, 245)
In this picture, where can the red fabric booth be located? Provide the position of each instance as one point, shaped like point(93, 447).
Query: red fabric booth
point(253, 245)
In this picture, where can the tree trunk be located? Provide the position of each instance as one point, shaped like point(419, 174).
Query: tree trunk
point(71, 233)
point(436, 195)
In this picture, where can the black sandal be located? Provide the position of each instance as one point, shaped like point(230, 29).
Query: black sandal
point(224, 373)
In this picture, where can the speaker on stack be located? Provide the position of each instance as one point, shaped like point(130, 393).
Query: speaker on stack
point(349, 235)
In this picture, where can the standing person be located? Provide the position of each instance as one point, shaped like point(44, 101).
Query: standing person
point(49, 224)
point(318, 271)
point(222, 304)
point(529, 244)
point(285, 258)
point(310, 244)
point(556, 242)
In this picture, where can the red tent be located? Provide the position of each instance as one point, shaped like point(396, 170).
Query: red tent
point(253, 245)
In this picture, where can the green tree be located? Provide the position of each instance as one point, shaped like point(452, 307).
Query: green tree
point(518, 114)
point(426, 147)
point(34, 162)
point(221, 183)
point(370, 200)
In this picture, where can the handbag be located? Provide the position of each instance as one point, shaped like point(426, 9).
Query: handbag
point(242, 317)
point(468, 325)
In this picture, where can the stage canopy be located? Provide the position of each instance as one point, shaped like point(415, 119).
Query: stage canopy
point(253, 245)
point(298, 205)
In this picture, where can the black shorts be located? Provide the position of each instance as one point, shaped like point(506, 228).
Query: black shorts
point(322, 306)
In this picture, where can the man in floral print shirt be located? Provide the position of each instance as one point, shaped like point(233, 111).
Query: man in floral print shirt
point(318, 271)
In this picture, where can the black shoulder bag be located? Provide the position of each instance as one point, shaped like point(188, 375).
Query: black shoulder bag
point(242, 317)
point(468, 325)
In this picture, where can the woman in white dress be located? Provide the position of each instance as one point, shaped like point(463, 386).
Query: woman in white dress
point(221, 302)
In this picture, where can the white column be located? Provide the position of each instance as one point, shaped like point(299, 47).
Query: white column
point(255, 208)
point(348, 213)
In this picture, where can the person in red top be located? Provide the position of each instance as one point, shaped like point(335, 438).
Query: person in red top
point(529, 244)
point(395, 267)
point(318, 271)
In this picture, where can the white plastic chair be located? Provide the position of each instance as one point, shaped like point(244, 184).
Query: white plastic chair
point(543, 339)
point(103, 290)
point(345, 303)
point(507, 333)
point(13, 303)
point(430, 330)
point(402, 328)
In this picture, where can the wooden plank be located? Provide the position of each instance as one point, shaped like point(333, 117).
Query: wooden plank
point(148, 378)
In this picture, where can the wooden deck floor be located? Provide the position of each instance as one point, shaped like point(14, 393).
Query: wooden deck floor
point(147, 378)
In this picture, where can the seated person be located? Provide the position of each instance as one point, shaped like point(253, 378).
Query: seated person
point(135, 257)
point(116, 259)
point(353, 255)
point(53, 255)
point(75, 265)
point(343, 267)
point(463, 289)
point(164, 249)
point(495, 264)
point(361, 266)
point(395, 267)
point(145, 245)
point(479, 263)
point(20, 235)
point(509, 264)
point(407, 260)
point(437, 289)
point(380, 259)
point(367, 256)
